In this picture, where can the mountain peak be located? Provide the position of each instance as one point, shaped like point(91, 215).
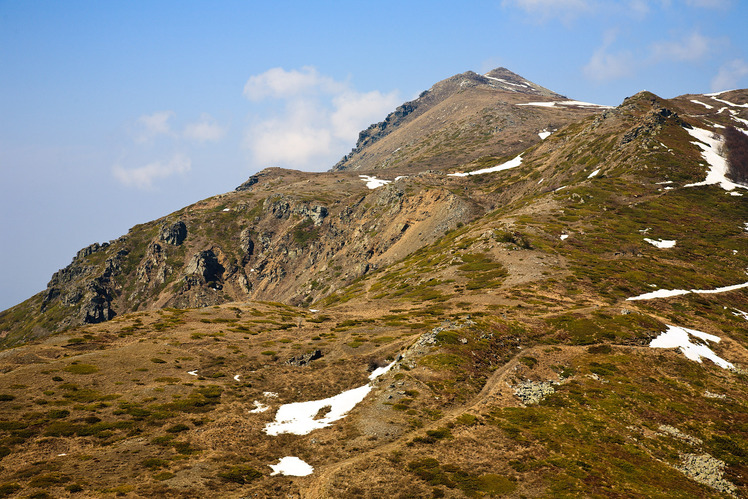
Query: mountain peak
point(479, 113)
point(506, 80)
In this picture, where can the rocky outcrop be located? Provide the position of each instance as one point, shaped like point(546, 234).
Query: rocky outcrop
point(174, 234)
point(153, 268)
point(206, 267)
point(304, 359)
point(530, 392)
point(707, 470)
point(246, 186)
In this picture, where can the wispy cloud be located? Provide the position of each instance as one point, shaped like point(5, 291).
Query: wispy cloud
point(206, 129)
point(730, 75)
point(150, 126)
point(691, 47)
point(281, 84)
point(319, 122)
point(143, 177)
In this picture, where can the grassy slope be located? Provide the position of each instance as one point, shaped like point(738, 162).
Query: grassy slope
point(445, 423)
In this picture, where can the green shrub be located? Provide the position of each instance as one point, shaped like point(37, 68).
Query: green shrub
point(240, 474)
point(81, 369)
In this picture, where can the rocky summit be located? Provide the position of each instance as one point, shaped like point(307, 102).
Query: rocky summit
point(499, 292)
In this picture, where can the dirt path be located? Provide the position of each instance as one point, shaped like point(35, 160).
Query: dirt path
point(490, 396)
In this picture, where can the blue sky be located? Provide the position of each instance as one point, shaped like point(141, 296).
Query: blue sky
point(117, 113)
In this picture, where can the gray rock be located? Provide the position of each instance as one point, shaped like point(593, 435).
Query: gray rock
point(530, 392)
point(246, 186)
point(205, 265)
point(174, 234)
point(706, 470)
point(302, 360)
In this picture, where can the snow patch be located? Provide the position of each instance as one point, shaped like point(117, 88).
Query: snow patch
point(192, 373)
point(593, 174)
point(710, 145)
point(301, 418)
point(270, 395)
point(544, 134)
point(512, 163)
point(705, 105)
point(563, 236)
point(661, 243)
point(666, 293)
point(236, 377)
point(291, 466)
point(373, 182)
point(740, 313)
point(731, 104)
point(381, 370)
point(680, 337)
point(575, 103)
point(259, 407)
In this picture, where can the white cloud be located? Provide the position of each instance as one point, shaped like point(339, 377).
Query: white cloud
point(691, 48)
point(319, 123)
point(206, 129)
point(143, 177)
point(605, 65)
point(354, 111)
point(282, 84)
point(291, 140)
point(153, 125)
point(730, 75)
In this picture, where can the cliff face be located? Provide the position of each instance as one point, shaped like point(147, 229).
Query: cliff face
point(290, 236)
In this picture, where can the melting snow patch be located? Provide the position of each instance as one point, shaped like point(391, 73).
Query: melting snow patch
point(666, 293)
point(705, 105)
point(740, 313)
point(680, 337)
point(709, 146)
point(564, 103)
point(661, 243)
point(259, 407)
point(504, 166)
point(291, 466)
point(270, 395)
point(301, 418)
point(236, 378)
point(381, 370)
point(192, 373)
point(660, 293)
point(544, 134)
point(373, 182)
point(593, 174)
point(731, 104)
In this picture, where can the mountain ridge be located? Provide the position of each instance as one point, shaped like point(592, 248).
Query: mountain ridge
point(565, 318)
